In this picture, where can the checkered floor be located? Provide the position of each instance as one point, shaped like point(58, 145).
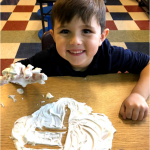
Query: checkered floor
point(20, 24)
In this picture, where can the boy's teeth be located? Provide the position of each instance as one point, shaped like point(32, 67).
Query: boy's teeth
point(76, 52)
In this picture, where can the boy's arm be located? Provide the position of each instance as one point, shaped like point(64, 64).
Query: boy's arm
point(142, 86)
point(134, 106)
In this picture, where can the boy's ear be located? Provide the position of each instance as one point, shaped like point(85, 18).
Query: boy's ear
point(52, 33)
point(103, 36)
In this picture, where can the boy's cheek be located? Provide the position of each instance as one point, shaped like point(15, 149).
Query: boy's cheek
point(60, 40)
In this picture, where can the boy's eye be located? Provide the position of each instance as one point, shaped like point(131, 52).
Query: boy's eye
point(87, 31)
point(64, 31)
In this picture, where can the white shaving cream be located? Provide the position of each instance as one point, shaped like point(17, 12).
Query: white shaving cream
point(86, 131)
point(20, 91)
point(21, 75)
point(49, 96)
point(2, 104)
point(12, 97)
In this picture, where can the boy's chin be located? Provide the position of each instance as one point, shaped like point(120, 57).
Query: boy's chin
point(78, 67)
point(81, 65)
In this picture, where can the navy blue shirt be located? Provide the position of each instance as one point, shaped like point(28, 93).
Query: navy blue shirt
point(108, 59)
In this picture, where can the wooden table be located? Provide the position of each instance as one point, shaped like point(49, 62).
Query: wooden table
point(104, 93)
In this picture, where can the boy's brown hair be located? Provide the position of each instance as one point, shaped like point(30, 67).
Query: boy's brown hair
point(65, 10)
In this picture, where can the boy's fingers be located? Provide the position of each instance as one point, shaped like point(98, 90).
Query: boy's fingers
point(122, 111)
point(43, 76)
point(5, 71)
point(36, 77)
point(124, 115)
point(40, 76)
point(37, 70)
point(9, 77)
point(141, 115)
point(135, 114)
point(15, 77)
point(146, 113)
point(6, 77)
point(129, 113)
point(27, 73)
point(3, 80)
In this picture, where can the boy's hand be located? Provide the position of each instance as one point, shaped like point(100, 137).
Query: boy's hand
point(18, 73)
point(134, 107)
point(12, 73)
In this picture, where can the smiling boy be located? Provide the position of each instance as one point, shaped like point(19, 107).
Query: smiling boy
point(81, 49)
point(77, 33)
point(78, 42)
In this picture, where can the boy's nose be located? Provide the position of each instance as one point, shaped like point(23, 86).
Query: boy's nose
point(75, 41)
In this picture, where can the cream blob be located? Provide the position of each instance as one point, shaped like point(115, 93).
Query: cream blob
point(49, 96)
point(12, 97)
point(20, 91)
point(19, 74)
point(86, 130)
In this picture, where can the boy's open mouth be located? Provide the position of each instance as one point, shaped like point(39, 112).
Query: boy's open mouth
point(76, 52)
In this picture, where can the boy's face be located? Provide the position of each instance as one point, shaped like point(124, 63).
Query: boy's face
point(77, 42)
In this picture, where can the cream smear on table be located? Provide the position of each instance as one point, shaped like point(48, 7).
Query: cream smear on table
point(20, 91)
point(49, 96)
point(86, 130)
